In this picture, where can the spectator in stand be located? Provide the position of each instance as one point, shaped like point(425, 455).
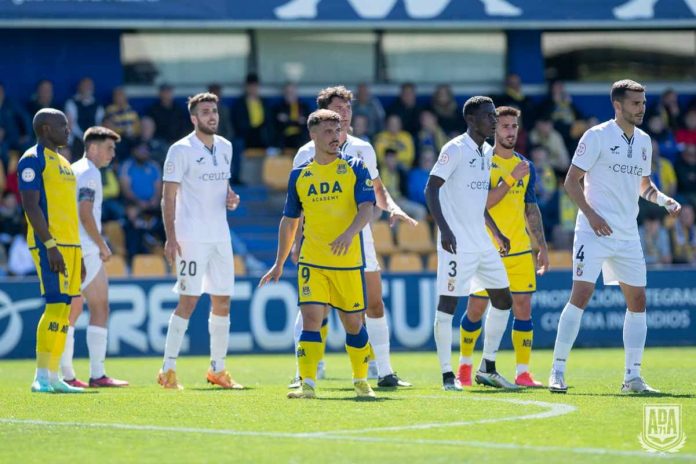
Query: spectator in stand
point(225, 128)
point(83, 111)
point(171, 122)
point(11, 182)
point(396, 139)
point(141, 186)
point(654, 240)
point(515, 97)
point(42, 98)
point(394, 178)
point(407, 108)
point(685, 168)
point(125, 121)
point(546, 188)
point(369, 107)
point(359, 127)
point(112, 206)
point(158, 147)
point(431, 135)
point(684, 236)
point(687, 134)
point(15, 125)
point(19, 259)
point(544, 134)
point(10, 220)
point(664, 138)
point(3, 177)
point(662, 172)
point(445, 108)
point(667, 108)
point(560, 109)
point(418, 176)
point(290, 117)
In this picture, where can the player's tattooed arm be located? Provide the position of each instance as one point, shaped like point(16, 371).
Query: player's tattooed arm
point(651, 193)
point(536, 226)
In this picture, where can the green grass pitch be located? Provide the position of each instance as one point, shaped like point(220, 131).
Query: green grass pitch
point(594, 422)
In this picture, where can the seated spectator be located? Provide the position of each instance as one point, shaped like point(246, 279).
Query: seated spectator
point(83, 111)
point(359, 127)
point(560, 109)
point(418, 176)
point(225, 128)
point(393, 176)
point(19, 259)
point(546, 188)
point(369, 107)
point(158, 147)
point(515, 97)
point(445, 108)
point(112, 206)
point(664, 138)
point(431, 135)
point(667, 109)
point(15, 125)
point(655, 241)
point(397, 139)
point(141, 187)
point(124, 119)
point(11, 219)
point(687, 134)
point(683, 236)
point(544, 134)
point(685, 168)
point(290, 118)
point(662, 172)
point(564, 230)
point(407, 108)
point(42, 98)
point(171, 122)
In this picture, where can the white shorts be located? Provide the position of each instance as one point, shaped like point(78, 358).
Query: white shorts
point(618, 260)
point(371, 263)
point(93, 264)
point(205, 268)
point(460, 274)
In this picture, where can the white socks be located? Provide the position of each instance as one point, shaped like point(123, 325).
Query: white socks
point(443, 340)
point(96, 344)
point(496, 323)
point(568, 328)
point(378, 331)
point(635, 330)
point(172, 345)
point(219, 329)
point(66, 360)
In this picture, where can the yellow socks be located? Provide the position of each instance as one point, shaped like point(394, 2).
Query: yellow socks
point(50, 335)
point(358, 348)
point(522, 336)
point(309, 351)
point(468, 334)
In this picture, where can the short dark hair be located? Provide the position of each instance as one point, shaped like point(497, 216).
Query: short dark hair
point(200, 98)
point(96, 134)
point(320, 116)
point(326, 95)
point(507, 111)
point(474, 103)
point(620, 88)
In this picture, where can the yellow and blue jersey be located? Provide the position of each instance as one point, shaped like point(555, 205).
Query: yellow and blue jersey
point(329, 195)
point(50, 174)
point(509, 213)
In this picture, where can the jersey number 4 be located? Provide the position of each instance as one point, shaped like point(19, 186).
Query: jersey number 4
point(580, 255)
point(190, 267)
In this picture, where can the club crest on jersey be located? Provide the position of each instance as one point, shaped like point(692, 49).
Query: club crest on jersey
point(324, 187)
point(182, 285)
point(306, 291)
point(579, 269)
point(450, 285)
point(341, 169)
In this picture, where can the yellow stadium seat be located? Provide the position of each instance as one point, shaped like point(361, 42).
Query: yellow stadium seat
point(113, 231)
point(254, 153)
point(432, 262)
point(405, 262)
point(384, 241)
point(560, 259)
point(417, 239)
point(116, 266)
point(239, 266)
point(148, 266)
point(276, 171)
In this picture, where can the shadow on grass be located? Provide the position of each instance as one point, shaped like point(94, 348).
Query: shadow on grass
point(379, 399)
point(214, 389)
point(639, 395)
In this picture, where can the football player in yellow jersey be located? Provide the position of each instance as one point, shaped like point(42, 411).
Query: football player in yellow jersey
point(512, 204)
point(336, 196)
point(49, 190)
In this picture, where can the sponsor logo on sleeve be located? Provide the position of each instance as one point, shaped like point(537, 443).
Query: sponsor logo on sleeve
point(28, 174)
point(443, 158)
point(581, 149)
point(169, 167)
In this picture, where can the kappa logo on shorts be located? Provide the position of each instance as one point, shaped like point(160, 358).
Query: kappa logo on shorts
point(356, 305)
point(306, 291)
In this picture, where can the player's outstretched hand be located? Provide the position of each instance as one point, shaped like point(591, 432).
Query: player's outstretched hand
point(55, 260)
point(521, 170)
point(295, 253)
point(599, 225)
point(171, 250)
point(274, 274)
point(340, 246)
point(398, 215)
point(449, 243)
point(104, 252)
point(232, 200)
point(542, 261)
point(503, 244)
point(673, 207)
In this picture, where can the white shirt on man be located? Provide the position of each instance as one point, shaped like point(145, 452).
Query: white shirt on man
point(89, 187)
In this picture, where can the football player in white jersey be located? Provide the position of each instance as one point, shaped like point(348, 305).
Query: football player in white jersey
point(194, 206)
point(456, 195)
point(613, 162)
point(339, 99)
point(100, 149)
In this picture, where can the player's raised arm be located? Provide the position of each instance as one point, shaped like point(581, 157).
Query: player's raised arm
point(651, 193)
point(432, 199)
point(498, 192)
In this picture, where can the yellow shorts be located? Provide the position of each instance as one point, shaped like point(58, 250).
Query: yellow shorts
point(57, 288)
point(341, 289)
point(521, 274)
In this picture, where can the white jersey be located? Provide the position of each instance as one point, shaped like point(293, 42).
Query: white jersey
point(466, 170)
point(203, 176)
point(614, 166)
point(89, 188)
point(355, 147)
